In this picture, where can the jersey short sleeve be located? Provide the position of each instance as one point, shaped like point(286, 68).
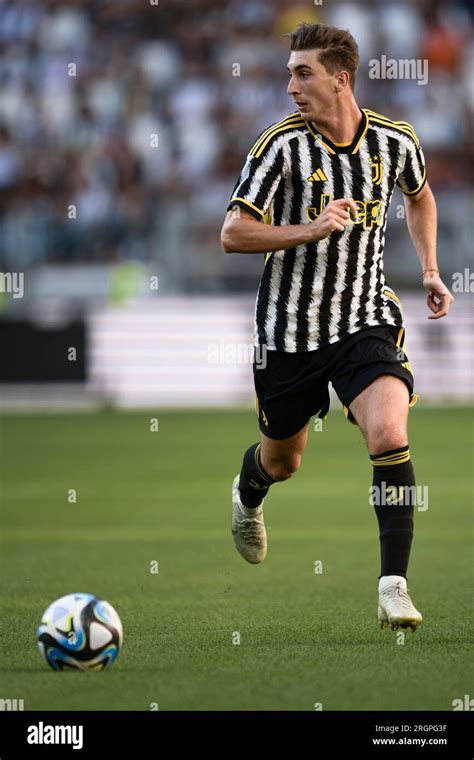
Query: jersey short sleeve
point(259, 179)
point(412, 177)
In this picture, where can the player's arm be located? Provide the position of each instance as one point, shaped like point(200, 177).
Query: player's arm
point(421, 221)
point(243, 233)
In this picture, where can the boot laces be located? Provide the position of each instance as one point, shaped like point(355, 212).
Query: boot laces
point(250, 528)
point(399, 595)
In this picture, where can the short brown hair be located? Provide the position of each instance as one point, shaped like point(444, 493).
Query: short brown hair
point(338, 48)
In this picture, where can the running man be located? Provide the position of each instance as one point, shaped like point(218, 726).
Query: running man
point(321, 180)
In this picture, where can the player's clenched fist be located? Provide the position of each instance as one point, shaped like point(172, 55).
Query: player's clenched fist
point(333, 219)
point(439, 298)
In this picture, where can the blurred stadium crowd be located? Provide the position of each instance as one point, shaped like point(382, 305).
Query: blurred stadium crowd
point(134, 113)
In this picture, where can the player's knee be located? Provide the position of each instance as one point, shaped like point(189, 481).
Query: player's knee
point(282, 469)
point(386, 438)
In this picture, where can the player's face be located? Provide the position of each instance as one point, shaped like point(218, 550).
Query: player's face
point(312, 88)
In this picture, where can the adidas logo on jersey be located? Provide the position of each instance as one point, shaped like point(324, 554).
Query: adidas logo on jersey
point(317, 176)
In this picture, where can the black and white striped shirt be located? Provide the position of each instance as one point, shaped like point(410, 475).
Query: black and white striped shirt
point(314, 294)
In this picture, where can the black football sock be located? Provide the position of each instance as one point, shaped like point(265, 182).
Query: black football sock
point(394, 496)
point(254, 481)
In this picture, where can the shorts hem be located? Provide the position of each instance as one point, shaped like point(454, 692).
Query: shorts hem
point(278, 436)
point(395, 372)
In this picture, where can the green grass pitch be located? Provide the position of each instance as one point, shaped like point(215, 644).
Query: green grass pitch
point(305, 637)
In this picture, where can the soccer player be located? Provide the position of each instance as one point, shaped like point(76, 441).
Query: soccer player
point(321, 180)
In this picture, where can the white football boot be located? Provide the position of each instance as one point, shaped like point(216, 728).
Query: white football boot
point(396, 609)
point(248, 528)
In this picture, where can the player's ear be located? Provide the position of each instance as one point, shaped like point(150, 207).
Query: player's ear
point(342, 80)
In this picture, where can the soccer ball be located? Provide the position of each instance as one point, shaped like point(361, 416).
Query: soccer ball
point(80, 632)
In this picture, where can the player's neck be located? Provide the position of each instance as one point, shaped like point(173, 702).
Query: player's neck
point(341, 123)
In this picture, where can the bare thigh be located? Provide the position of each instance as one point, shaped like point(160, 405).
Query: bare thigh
point(381, 411)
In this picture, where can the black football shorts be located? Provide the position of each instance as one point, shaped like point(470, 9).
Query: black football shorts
point(292, 387)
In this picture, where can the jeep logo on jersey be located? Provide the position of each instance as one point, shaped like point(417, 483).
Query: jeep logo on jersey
point(376, 164)
point(369, 213)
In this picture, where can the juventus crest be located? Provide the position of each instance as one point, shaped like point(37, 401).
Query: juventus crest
point(376, 164)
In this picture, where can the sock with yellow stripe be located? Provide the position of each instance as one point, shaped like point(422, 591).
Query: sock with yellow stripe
point(254, 481)
point(393, 496)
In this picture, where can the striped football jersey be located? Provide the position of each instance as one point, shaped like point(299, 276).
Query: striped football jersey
point(315, 294)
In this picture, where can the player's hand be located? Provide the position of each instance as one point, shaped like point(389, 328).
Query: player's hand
point(439, 298)
point(333, 218)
